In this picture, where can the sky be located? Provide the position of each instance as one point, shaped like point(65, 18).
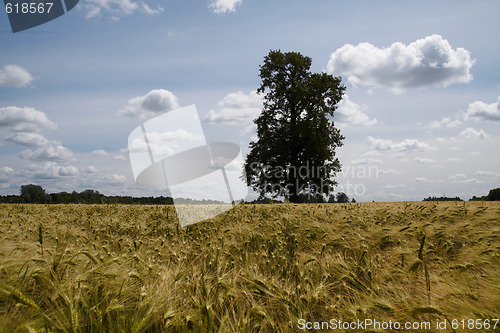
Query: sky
point(420, 116)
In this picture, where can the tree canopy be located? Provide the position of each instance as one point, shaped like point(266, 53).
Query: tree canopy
point(295, 150)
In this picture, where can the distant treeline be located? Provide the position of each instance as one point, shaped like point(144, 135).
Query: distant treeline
point(493, 195)
point(442, 199)
point(340, 197)
point(36, 194)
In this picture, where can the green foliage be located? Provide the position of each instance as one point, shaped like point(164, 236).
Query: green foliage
point(342, 197)
point(33, 194)
point(295, 150)
point(493, 195)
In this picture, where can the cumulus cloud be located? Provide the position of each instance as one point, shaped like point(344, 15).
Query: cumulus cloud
point(390, 172)
point(425, 180)
point(423, 160)
point(116, 178)
point(366, 161)
point(24, 119)
point(116, 8)
point(487, 173)
point(28, 139)
point(371, 153)
point(224, 6)
point(445, 122)
point(457, 176)
point(404, 146)
point(6, 175)
point(90, 169)
point(99, 152)
point(51, 152)
point(119, 157)
point(473, 134)
point(14, 76)
point(49, 170)
point(236, 109)
point(121, 154)
point(350, 113)
point(168, 137)
point(154, 103)
point(165, 143)
point(468, 181)
point(430, 61)
point(391, 186)
point(148, 10)
point(483, 111)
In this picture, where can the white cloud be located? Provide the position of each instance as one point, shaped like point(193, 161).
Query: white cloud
point(148, 10)
point(250, 129)
point(99, 152)
point(445, 122)
point(487, 173)
point(424, 160)
point(154, 103)
point(119, 157)
point(94, 8)
point(482, 111)
point(116, 8)
point(403, 146)
point(68, 171)
point(350, 113)
point(49, 170)
point(472, 134)
point(390, 186)
point(457, 176)
point(121, 154)
point(236, 109)
point(224, 6)
point(51, 152)
point(169, 137)
point(425, 180)
point(430, 61)
point(390, 172)
point(366, 160)
point(116, 179)
point(467, 181)
point(6, 175)
point(24, 119)
point(372, 153)
point(165, 143)
point(91, 169)
point(28, 139)
point(14, 76)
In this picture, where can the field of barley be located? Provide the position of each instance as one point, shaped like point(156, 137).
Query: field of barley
point(255, 268)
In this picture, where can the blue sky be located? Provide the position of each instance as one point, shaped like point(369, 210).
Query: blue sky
point(421, 115)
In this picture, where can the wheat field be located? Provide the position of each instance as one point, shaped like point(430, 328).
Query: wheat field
point(255, 268)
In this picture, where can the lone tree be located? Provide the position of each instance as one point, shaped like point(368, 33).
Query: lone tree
point(295, 150)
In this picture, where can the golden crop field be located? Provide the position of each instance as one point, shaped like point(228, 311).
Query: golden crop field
point(256, 268)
